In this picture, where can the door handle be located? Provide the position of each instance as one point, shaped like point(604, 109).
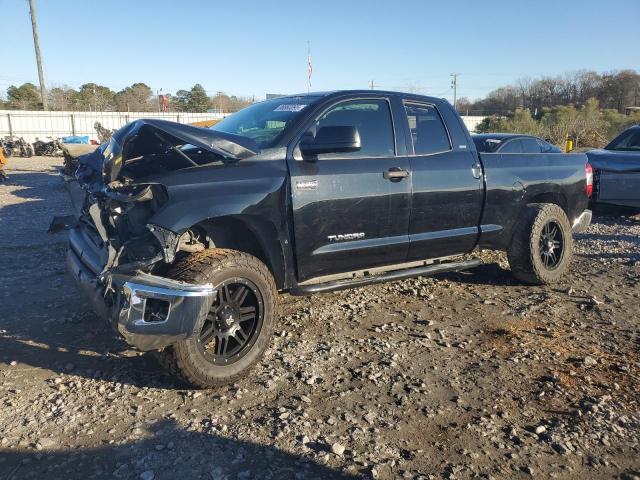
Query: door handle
point(395, 174)
point(476, 170)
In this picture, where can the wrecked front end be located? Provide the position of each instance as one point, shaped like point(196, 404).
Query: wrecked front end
point(149, 311)
point(126, 285)
point(117, 255)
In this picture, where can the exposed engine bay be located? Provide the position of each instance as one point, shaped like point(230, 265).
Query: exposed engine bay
point(121, 194)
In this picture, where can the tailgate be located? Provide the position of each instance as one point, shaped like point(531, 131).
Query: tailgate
point(619, 188)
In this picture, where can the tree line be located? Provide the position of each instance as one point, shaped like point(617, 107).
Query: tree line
point(613, 91)
point(589, 107)
point(138, 97)
point(588, 125)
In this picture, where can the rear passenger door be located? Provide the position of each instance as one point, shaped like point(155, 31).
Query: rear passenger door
point(447, 186)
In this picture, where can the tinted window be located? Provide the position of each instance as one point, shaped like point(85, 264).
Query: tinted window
point(627, 141)
point(427, 130)
point(372, 118)
point(511, 146)
point(486, 145)
point(529, 145)
point(546, 147)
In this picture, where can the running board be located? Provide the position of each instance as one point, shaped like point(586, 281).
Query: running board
point(384, 277)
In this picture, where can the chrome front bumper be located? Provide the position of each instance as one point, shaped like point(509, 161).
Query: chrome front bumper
point(154, 312)
point(581, 223)
point(150, 312)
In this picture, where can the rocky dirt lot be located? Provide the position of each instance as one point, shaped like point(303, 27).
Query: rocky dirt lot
point(467, 375)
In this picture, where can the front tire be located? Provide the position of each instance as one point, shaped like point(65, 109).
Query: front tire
point(240, 322)
point(542, 245)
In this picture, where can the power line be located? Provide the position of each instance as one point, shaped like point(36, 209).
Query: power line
point(444, 92)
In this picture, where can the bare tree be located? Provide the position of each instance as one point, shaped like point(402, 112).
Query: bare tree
point(524, 87)
point(61, 98)
point(617, 90)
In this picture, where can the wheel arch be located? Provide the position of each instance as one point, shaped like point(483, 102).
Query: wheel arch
point(549, 196)
point(249, 234)
point(554, 197)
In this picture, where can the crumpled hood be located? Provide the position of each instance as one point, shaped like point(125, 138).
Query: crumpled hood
point(614, 161)
point(151, 136)
point(140, 136)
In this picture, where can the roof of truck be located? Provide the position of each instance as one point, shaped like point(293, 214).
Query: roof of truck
point(361, 92)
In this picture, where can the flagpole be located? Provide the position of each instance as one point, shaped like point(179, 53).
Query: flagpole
point(309, 67)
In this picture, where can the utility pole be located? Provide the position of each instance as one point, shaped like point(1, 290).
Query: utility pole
point(372, 85)
point(43, 90)
point(454, 85)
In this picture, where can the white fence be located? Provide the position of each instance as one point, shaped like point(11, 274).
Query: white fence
point(472, 121)
point(38, 124)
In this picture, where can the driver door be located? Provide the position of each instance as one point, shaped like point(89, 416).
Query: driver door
point(348, 212)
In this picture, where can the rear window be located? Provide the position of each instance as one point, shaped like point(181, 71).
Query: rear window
point(511, 146)
point(544, 146)
point(628, 141)
point(530, 145)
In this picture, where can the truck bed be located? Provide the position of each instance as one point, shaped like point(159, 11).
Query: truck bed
point(514, 180)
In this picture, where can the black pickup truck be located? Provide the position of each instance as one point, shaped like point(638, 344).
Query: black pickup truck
point(186, 234)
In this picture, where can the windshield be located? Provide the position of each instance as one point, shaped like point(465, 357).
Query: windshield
point(263, 122)
point(628, 141)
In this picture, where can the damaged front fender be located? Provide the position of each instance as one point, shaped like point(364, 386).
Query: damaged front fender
point(168, 241)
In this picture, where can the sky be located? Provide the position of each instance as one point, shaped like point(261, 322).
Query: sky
point(251, 48)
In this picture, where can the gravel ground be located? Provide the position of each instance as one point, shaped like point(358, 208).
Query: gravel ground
point(465, 375)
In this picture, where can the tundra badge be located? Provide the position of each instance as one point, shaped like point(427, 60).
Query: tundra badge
point(307, 185)
point(346, 236)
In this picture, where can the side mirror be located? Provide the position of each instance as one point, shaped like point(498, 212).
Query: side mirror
point(331, 140)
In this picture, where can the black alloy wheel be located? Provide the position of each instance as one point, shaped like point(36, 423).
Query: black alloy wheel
point(238, 327)
point(551, 244)
point(233, 323)
point(542, 244)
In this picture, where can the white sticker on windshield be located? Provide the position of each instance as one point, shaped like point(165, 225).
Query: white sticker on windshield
point(289, 107)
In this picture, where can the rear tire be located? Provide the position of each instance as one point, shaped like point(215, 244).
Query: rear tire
point(229, 343)
point(542, 245)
